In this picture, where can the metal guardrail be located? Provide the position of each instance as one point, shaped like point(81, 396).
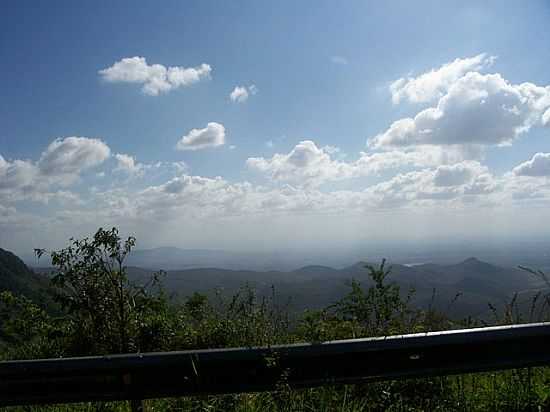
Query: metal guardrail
point(169, 374)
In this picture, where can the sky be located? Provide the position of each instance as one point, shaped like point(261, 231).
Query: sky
point(258, 125)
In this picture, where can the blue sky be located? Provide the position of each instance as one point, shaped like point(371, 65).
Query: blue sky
point(297, 152)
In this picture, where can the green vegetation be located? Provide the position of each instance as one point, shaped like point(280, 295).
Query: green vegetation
point(96, 309)
point(16, 277)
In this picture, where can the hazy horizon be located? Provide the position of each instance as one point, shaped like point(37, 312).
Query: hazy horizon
point(532, 252)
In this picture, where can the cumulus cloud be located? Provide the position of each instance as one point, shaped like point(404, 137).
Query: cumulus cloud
point(240, 94)
point(546, 118)
point(127, 164)
point(180, 167)
point(308, 165)
point(214, 200)
point(65, 158)
point(17, 174)
point(435, 83)
point(205, 197)
point(212, 135)
point(197, 196)
point(526, 189)
point(527, 183)
point(305, 164)
point(477, 110)
point(457, 174)
point(60, 164)
point(538, 165)
point(444, 183)
point(156, 79)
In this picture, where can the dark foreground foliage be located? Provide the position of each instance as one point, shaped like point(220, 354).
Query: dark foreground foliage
point(103, 312)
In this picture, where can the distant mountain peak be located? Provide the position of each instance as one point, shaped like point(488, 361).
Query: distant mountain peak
point(472, 260)
point(474, 263)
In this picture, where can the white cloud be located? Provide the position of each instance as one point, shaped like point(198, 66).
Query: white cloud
point(240, 94)
point(209, 203)
point(17, 174)
point(339, 60)
point(212, 135)
point(483, 184)
point(539, 165)
point(477, 110)
point(444, 183)
point(156, 78)
point(529, 182)
point(202, 197)
point(180, 167)
point(207, 199)
point(435, 83)
point(331, 149)
point(59, 165)
point(376, 163)
point(308, 165)
point(546, 118)
point(65, 158)
point(457, 174)
point(305, 164)
point(127, 164)
point(196, 196)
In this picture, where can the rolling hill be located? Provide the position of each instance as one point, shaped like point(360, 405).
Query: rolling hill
point(313, 287)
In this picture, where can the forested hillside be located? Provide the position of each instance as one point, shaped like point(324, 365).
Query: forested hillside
point(16, 277)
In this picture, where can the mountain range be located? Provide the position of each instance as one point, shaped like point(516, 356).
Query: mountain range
point(475, 282)
point(464, 288)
